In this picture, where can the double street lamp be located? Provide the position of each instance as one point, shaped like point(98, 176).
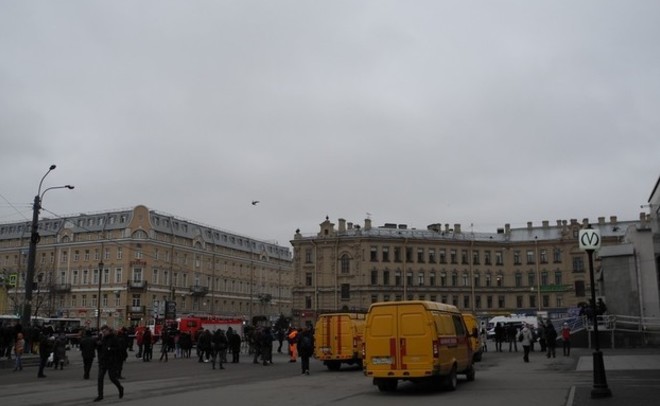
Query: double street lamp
point(32, 252)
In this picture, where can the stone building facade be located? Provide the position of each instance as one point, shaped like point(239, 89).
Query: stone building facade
point(137, 259)
point(513, 270)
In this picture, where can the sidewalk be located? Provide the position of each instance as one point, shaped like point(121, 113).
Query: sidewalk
point(632, 376)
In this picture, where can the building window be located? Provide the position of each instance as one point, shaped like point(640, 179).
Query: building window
point(83, 301)
point(558, 279)
point(374, 277)
point(420, 255)
point(443, 256)
point(308, 279)
point(345, 264)
point(135, 301)
point(409, 278)
point(443, 279)
point(489, 302)
point(477, 278)
point(530, 257)
point(516, 257)
point(374, 254)
point(488, 280)
point(501, 302)
point(431, 278)
point(308, 256)
point(531, 281)
point(374, 298)
point(543, 256)
point(154, 277)
point(477, 302)
point(386, 298)
point(499, 258)
point(546, 301)
point(85, 277)
point(466, 279)
point(579, 289)
point(431, 256)
point(104, 300)
point(532, 301)
point(560, 301)
point(518, 280)
point(453, 257)
point(500, 280)
point(487, 258)
point(556, 255)
point(106, 275)
point(118, 276)
point(578, 264)
point(397, 254)
point(454, 279)
point(519, 302)
point(345, 291)
point(420, 278)
point(544, 278)
point(466, 302)
point(386, 254)
point(386, 278)
point(120, 253)
point(137, 275)
point(74, 278)
point(475, 258)
point(464, 257)
point(397, 278)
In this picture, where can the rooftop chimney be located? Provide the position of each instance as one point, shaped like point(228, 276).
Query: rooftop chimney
point(529, 225)
point(342, 225)
point(457, 228)
point(613, 219)
point(367, 224)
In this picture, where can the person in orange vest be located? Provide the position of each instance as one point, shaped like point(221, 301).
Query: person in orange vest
point(292, 338)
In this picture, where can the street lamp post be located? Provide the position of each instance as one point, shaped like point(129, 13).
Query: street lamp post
point(98, 300)
point(32, 252)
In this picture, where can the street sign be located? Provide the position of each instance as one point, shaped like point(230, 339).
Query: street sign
point(589, 240)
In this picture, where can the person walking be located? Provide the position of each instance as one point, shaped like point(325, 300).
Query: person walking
point(483, 338)
point(305, 347)
point(19, 348)
point(164, 345)
point(500, 334)
point(566, 339)
point(292, 338)
point(88, 352)
point(59, 352)
point(234, 341)
point(219, 348)
point(45, 348)
point(550, 339)
point(511, 337)
point(147, 346)
point(527, 339)
point(109, 359)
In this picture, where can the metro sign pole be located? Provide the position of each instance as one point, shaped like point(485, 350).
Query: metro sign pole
point(590, 242)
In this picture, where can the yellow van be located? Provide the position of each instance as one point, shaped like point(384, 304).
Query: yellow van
point(338, 339)
point(416, 341)
point(472, 325)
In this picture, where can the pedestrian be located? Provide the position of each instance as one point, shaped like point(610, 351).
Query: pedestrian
point(279, 333)
point(59, 352)
point(139, 340)
point(164, 345)
point(123, 351)
point(147, 346)
point(204, 346)
point(500, 334)
point(267, 346)
point(305, 348)
point(19, 348)
point(566, 339)
point(109, 359)
point(219, 347)
point(45, 348)
point(234, 342)
point(292, 338)
point(483, 338)
point(540, 331)
point(550, 339)
point(511, 337)
point(88, 352)
point(526, 341)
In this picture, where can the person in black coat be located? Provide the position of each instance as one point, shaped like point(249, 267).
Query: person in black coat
point(305, 348)
point(88, 352)
point(46, 345)
point(235, 346)
point(109, 361)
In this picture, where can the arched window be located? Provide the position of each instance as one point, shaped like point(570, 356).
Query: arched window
point(140, 235)
point(345, 263)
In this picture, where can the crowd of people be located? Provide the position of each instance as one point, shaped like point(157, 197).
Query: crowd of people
point(111, 347)
point(527, 336)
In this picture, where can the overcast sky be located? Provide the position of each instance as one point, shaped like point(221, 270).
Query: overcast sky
point(417, 112)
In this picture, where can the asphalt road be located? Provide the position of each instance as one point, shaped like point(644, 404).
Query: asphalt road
point(502, 379)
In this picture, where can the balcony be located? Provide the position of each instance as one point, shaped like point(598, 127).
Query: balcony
point(137, 285)
point(62, 288)
point(199, 290)
point(136, 310)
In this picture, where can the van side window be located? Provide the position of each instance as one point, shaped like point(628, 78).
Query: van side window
point(459, 326)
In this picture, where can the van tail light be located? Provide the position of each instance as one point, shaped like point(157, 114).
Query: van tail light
point(436, 349)
point(364, 351)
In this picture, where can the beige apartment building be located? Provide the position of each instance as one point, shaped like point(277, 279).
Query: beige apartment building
point(135, 260)
point(513, 270)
